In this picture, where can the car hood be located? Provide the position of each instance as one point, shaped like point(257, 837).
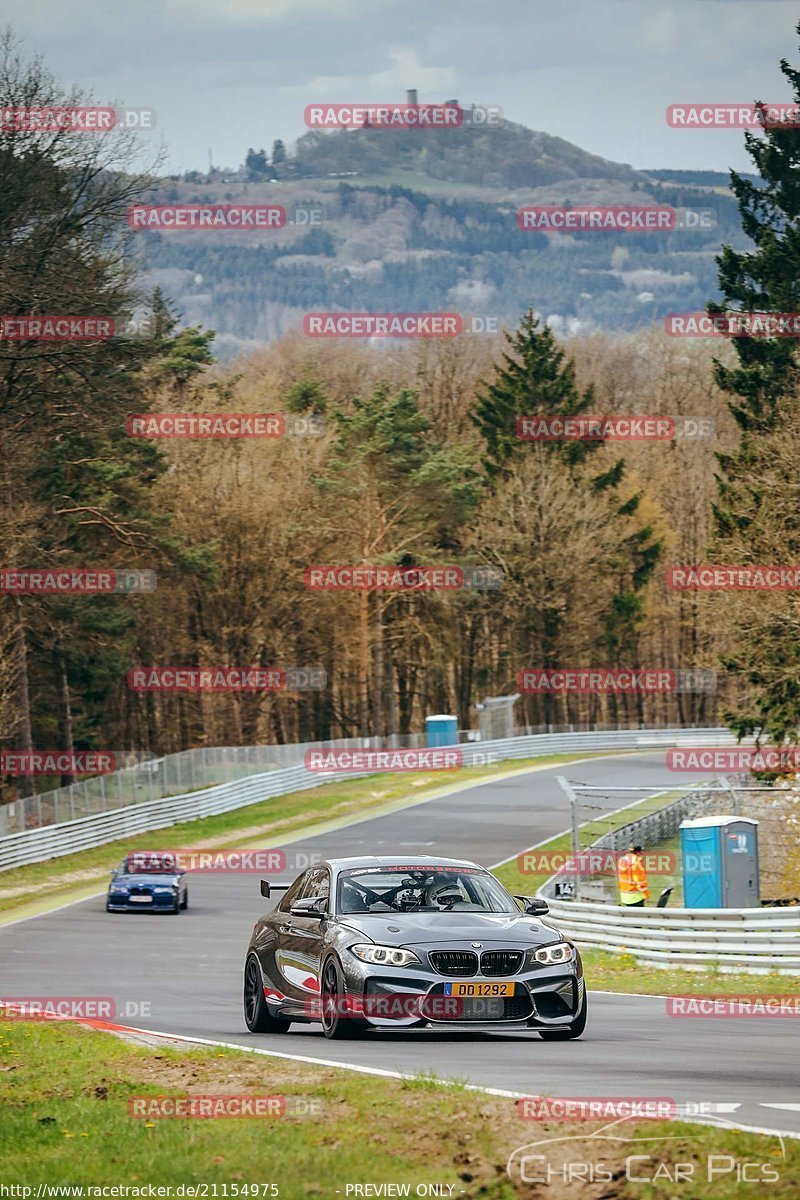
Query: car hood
point(415, 929)
point(147, 880)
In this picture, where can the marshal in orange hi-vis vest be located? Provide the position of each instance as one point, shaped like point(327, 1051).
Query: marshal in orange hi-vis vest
point(632, 879)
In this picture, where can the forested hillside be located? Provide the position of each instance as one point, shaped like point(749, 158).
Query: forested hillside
point(428, 222)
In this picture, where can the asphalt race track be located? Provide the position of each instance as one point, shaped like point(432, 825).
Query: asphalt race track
point(189, 968)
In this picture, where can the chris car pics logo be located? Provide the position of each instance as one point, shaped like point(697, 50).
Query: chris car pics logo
point(614, 1153)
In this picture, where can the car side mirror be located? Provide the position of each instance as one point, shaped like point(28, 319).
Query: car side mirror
point(534, 906)
point(265, 888)
point(311, 906)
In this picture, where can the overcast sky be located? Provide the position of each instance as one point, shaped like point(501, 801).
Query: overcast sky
point(229, 74)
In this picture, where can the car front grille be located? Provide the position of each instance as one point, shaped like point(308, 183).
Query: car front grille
point(464, 962)
point(501, 962)
point(454, 962)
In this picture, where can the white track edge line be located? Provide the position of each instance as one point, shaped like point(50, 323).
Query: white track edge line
point(389, 1074)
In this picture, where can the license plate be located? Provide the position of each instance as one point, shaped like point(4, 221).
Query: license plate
point(140, 899)
point(479, 989)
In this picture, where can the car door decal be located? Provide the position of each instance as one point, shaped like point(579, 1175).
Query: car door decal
point(298, 969)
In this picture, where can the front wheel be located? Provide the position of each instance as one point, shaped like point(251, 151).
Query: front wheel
point(257, 1016)
point(337, 1023)
point(567, 1032)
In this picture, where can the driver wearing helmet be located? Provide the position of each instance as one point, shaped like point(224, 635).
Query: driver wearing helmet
point(445, 894)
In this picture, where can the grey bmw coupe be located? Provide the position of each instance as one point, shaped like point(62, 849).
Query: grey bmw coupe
point(395, 942)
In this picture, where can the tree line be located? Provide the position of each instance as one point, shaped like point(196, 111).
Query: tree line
point(414, 461)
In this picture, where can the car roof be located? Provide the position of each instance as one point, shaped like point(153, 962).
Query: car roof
point(398, 860)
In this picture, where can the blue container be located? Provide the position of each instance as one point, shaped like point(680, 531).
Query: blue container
point(441, 730)
point(720, 862)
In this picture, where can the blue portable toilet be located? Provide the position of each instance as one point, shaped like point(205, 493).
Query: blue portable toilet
point(720, 862)
point(441, 730)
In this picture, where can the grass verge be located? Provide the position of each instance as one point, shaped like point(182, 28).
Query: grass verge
point(278, 817)
point(66, 1093)
point(608, 972)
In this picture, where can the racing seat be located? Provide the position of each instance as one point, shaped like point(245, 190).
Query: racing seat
point(354, 900)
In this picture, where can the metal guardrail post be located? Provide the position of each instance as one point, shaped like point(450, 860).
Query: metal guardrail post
point(734, 795)
point(565, 785)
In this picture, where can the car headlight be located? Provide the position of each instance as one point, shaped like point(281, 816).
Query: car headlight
point(390, 956)
point(559, 952)
point(166, 889)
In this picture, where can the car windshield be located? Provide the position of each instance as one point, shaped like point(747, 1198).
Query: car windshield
point(144, 864)
point(421, 889)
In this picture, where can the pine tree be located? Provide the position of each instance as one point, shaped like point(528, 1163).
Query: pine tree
point(757, 515)
point(538, 379)
point(535, 379)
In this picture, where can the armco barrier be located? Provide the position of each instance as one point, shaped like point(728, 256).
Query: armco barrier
point(55, 840)
point(147, 777)
point(757, 940)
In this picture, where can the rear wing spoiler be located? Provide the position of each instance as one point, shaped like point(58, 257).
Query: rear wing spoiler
point(267, 888)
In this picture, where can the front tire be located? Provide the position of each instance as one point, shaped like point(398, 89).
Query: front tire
point(336, 1023)
point(257, 1016)
point(568, 1032)
point(185, 903)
